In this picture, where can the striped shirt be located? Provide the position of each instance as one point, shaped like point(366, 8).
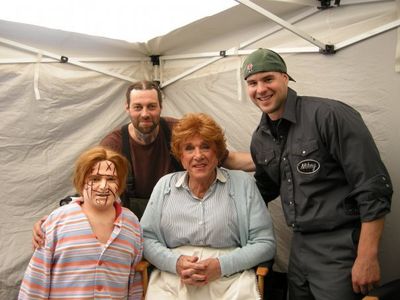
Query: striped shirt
point(211, 221)
point(73, 264)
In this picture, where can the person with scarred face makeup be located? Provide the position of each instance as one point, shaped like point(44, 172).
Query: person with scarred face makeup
point(92, 245)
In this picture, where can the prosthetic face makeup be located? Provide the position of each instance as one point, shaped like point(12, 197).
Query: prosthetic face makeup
point(101, 187)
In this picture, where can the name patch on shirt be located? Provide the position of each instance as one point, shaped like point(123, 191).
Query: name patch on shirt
point(308, 166)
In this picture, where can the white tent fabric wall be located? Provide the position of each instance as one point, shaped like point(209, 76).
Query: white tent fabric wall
point(362, 75)
point(41, 136)
point(40, 140)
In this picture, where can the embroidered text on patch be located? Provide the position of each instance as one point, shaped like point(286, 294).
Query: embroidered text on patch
point(308, 166)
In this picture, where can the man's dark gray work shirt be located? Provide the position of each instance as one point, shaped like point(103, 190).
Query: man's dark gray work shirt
point(323, 162)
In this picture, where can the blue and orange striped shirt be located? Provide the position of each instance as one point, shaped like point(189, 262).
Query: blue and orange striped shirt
point(73, 264)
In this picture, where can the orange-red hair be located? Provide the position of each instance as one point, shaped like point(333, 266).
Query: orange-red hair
point(198, 124)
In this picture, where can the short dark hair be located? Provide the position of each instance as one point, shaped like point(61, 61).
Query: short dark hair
point(144, 85)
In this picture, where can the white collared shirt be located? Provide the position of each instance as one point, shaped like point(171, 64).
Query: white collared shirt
point(211, 221)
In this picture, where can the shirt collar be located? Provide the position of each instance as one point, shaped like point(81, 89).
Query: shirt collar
point(117, 206)
point(290, 106)
point(182, 181)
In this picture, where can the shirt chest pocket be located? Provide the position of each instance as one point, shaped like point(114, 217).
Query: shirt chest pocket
point(307, 157)
point(269, 161)
point(265, 157)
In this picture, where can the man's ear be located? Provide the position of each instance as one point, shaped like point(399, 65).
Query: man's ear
point(126, 106)
point(286, 77)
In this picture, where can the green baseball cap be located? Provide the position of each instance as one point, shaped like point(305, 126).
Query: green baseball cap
point(264, 60)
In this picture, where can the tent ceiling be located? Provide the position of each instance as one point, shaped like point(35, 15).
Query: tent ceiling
point(134, 21)
point(74, 44)
point(64, 42)
point(215, 33)
point(322, 34)
point(234, 19)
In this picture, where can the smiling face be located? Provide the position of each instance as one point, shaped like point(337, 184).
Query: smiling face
point(199, 158)
point(268, 90)
point(101, 185)
point(144, 110)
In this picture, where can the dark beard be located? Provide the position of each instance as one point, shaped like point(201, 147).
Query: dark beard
point(146, 130)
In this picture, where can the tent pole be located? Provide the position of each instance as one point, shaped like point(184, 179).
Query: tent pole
point(307, 13)
point(215, 56)
point(63, 59)
point(285, 24)
point(367, 35)
point(190, 71)
point(297, 18)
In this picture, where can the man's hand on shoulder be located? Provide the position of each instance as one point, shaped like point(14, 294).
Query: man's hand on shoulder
point(37, 233)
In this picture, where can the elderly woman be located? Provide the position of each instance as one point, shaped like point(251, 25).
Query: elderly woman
point(93, 244)
point(207, 227)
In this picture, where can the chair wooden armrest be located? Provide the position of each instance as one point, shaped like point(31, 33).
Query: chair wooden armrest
point(142, 267)
point(262, 271)
point(388, 291)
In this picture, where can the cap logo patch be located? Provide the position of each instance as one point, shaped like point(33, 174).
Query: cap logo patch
point(308, 166)
point(249, 68)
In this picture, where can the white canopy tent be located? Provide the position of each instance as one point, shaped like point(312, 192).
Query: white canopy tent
point(62, 92)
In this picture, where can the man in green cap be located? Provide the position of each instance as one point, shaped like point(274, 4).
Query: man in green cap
point(319, 156)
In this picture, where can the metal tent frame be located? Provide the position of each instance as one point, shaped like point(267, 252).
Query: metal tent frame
point(158, 60)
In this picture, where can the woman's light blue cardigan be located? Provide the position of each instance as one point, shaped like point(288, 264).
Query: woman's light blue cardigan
point(255, 225)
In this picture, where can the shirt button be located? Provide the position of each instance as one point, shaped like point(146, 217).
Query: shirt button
point(387, 185)
point(289, 180)
point(284, 158)
point(383, 178)
point(99, 288)
point(265, 160)
point(303, 152)
point(293, 225)
point(291, 203)
point(201, 223)
point(100, 263)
